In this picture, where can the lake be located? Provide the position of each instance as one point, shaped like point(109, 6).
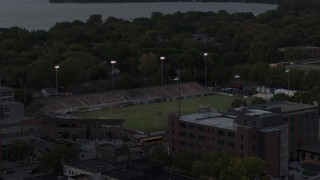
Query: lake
point(40, 14)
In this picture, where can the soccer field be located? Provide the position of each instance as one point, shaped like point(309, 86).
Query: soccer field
point(154, 117)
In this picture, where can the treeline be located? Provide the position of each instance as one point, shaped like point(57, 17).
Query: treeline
point(130, 1)
point(238, 43)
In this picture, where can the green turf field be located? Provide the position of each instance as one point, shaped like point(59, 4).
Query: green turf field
point(154, 117)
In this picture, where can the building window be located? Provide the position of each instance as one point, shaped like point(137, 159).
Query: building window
point(191, 136)
point(220, 132)
point(231, 144)
point(241, 146)
point(253, 146)
point(182, 143)
point(200, 128)
point(191, 126)
point(183, 134)
point(183, 125)
point(231, 134)
point(241, 136)
point(220, 142)
point(192, 145)
point(202, 138)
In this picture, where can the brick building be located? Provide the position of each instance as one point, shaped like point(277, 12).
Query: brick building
point(271, 131)
point(55, 127)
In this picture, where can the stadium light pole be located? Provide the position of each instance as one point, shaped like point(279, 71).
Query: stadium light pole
point(56, 68)
point(112, 63)
point(178, 85)
point(238, 77)
point(162, 58)
point(205, 69)
point(288, 71)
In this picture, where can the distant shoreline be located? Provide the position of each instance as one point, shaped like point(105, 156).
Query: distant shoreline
point(146, 1)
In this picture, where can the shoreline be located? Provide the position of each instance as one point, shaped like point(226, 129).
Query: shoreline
point(274, 2)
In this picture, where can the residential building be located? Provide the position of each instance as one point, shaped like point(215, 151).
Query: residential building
point(272, 131)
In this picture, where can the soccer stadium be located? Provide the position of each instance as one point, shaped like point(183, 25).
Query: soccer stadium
point(145, 109)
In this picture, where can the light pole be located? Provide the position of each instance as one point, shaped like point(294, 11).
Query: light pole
point(162, 58)
point(238, 77)
point(288, 71)
point(112, 63)
point(205, 69)
point(56, 67)
point(178, 85)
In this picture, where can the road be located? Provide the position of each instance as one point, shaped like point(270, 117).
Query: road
point(19, 172)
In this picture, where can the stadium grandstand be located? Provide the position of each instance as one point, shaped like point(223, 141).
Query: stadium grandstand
point(113, 99)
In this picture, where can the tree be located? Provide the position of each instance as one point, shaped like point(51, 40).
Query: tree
point(258, 100)
point(160, 154)
point(238, 103)
point(222, 165)
point(20, 149)
point(52, 160)
point(280, 97)
point(148, 63)
point(184, 161)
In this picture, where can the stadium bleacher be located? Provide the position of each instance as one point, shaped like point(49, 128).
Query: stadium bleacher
point(63, 105)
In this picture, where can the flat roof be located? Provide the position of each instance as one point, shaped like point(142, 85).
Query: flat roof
point(211, 119)
point(92, 165)
point(315, 149)
point(284, 105)
point(289, 106)
point(124, 174)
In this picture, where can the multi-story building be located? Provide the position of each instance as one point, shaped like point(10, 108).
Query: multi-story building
point(13, 123)
point(55, 127)
point(271, 131)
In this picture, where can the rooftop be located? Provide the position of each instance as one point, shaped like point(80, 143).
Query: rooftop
point(211, 119)
point(289, 106)
point(92, 165)
point(124, 174)
point(285, 106)
point(314, 149)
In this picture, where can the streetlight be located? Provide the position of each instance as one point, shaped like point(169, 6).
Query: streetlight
point(112, 63)
point(178, 85)
point(205, 69)
point(56, 67)
point(238, 77)
point(162, 58)
point(288, 71)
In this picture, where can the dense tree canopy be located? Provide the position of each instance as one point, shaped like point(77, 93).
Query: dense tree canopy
point(222, 165)
point(238, 43)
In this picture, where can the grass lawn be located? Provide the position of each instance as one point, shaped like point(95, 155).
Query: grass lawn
point(154, 117)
